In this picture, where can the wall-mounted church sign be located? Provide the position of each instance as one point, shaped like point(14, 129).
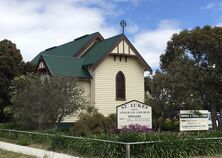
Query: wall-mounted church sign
point(133, 112)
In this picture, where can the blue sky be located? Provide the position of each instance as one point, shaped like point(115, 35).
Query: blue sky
point(35, 25)
point(188, 13)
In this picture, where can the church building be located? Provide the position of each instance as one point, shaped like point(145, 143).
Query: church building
point(110, 70)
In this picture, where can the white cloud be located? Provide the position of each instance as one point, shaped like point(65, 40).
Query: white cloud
point(152, 43)
point(208, 6)
point(134, 2)
point(37, 25)
point(132, 28)
point(213, 6)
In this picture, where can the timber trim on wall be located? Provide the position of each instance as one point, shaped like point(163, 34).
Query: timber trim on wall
point(45, 64)
point(139, 57)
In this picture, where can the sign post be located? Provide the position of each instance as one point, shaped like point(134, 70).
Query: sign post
point(191, 121)
point(134, 112)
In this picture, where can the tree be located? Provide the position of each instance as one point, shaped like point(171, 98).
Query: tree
point(44, 102)
point(147, 84)
point(10, 59)
point(148, 88)
point(175, 90)
point(11, 65)
point(202, 46)
point(27, 67)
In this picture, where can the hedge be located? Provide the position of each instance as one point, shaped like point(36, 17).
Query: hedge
point(170, 145)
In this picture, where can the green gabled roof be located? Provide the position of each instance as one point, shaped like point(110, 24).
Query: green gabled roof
point(62, 61)
point(100, 49)
point(66, 66)
point(68, 49)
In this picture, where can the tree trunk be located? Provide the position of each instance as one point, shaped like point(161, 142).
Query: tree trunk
point(159, 127)
point(213, 116)
point(59, 120)
point(160, 124)
point(220, 119)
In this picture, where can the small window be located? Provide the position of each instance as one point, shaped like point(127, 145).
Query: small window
point(120, 86)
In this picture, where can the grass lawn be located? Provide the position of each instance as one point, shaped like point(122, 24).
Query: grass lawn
point(215, 156)
point(8, 154)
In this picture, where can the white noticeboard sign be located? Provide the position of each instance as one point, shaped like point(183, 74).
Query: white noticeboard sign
point(134, 112)
point(193, 121)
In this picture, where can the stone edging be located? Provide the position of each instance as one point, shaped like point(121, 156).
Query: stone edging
point(39, 153)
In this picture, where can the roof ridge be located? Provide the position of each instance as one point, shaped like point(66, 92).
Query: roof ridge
point(101, 48)
point(112, 37)
point(107, 39)
point(78, 38)
point(61, 56)
point(67, 49)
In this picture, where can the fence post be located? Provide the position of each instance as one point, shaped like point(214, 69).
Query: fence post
point(127, 150)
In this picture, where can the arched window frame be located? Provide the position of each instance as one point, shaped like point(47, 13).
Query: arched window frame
point(123, 95)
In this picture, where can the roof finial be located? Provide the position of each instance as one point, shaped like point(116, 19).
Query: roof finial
point(123, 24)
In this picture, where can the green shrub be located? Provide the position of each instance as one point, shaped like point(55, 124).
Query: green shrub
point(9, 135)
point(171, 125)
point(9, 126)
point(93, 122)
point(24, 140)
point(41, 139)
point(88, 147)
point(58, 142)
point(131, 137)
point(13, 135)
point(169, 145)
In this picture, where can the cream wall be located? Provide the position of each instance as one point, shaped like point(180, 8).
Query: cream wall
point(104, 79)
point(100, 90)
point(92, 88)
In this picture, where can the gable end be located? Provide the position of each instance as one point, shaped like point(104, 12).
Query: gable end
point(42, 67)
point(119, 49)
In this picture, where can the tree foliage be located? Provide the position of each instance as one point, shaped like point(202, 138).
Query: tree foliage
point(44, 102)
point(10, 59)
point(11, 65)
point(147, 85)
point(202, 47)
point(175, 90)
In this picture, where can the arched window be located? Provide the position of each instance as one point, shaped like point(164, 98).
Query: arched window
point(120, 86)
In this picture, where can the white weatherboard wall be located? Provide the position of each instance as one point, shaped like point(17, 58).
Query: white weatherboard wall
point(39, 153)
point(105, 78)
point(92, 88)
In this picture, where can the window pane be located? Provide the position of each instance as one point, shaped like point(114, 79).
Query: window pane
point(120, 86)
